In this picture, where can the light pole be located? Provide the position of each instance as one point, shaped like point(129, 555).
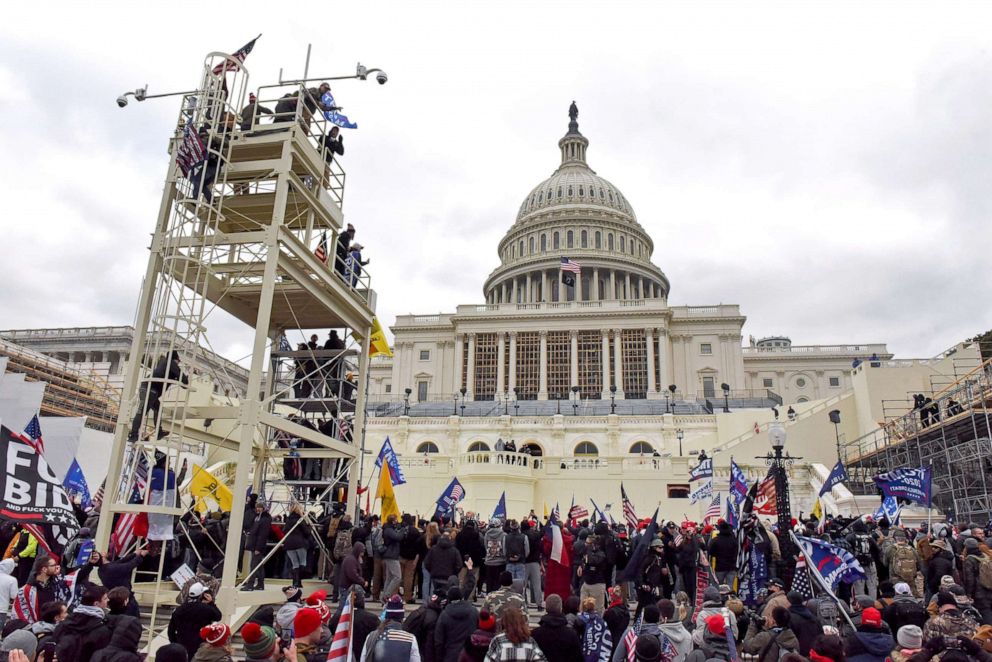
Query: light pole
point(726, 397)
point(463, 392)
point(779, 464)
point(558, 403)
point(516, 400)
point(680, 435)
point(835, 419)
point(406, 401)
point(455, 412)
point(575, 400)
point(671, 389)
point(613, 398)
point(791, 414)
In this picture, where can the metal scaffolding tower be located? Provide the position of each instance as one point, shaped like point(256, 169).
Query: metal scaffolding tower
point(951, 434)
point(236, 233)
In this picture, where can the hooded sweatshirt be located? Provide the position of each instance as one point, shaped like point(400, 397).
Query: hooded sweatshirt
point(675, 632)
point(444, 559)
point(351, 568)
point(711, 608)
point(8, 585)
point(868, 645)
point(494, 542)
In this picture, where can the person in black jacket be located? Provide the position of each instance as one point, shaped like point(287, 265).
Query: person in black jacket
point(686, 557)
point(117, 573)
point(593, 573)
point(555, 636)
point(410, 546)
point(654, 580)
point(803, 623)
point(392, 535)
point(341, 249)
point(295, 543)
point(188, 618)
point(469, 544)
point(532, 566)
point(150, 394)
point(85, 630)
point(333, 142)
point(723, 548)
point(456, 624)
point(421, 624)
point(941, 564)
point(124, 642)
point(255, 543)
point(443, 560)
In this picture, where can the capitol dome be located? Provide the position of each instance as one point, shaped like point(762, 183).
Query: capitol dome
point(577, 215)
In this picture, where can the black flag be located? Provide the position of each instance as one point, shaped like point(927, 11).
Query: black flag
point(30, 493)
point(640, 552)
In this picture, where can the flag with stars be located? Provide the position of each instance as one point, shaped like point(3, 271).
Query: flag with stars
point(33, 435)
point(800, 580)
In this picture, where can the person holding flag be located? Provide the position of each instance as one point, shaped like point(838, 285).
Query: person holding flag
point(556, 548)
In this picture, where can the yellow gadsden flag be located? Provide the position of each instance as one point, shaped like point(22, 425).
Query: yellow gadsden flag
point(818, 511)
point(377, 341)
point(385, 492)
point(207, 488)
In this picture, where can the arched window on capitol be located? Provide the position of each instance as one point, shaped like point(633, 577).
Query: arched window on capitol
point(641, 448)
point(478, 447)
point(428, 447)
point(586, 449)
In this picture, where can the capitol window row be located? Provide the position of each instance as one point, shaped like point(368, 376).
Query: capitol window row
point(581, 449)
point(571, 239)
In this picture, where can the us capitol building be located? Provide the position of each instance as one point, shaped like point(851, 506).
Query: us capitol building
point(599, 377)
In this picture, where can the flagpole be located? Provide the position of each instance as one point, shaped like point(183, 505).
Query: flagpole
point(823, 583)
point(930, 500)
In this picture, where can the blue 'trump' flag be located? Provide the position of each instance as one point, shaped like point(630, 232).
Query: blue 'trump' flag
point(738, 483)
point(889, 509)
point(913, 484)
point(837, 475)
point(500, 512)
point(333, 116)
point(833, 563)
point(452, 494)
point(75, 483)
point(389, 455)
point(703, 470)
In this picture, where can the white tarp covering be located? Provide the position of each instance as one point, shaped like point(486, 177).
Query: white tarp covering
point(61, 435)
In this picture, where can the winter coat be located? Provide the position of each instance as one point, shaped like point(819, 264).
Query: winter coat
point(951, 623)
point(186, 621)
point(476, 646)
point(8, 585)
point(364, 622)
point(443, 559)
point(905, 610)
point(594, 566)
point(118, 573)
point(969, 577)
point(351, 568)
point(767, 644)
point(208, 653)
point(392, 535)
point(421, 624)
point(80, 635)
point(868, 645)
point(557, 639)
point(941, 564)
point(123, 642)
point(687, 553)
point(411, 544)
point(534, 539)
point(805, 626)
point(297, 538)
point(680, 638)
point(617, 619)
point(455, 625)
point(723, 548)
point(495, 546)
point(597, 644)
point(258, 534)
point(469, 543)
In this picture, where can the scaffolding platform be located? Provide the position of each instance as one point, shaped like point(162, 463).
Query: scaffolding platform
point(238, 231)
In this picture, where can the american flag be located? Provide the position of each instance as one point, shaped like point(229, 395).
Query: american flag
point(457, 492)
point(341, 643)
point(800, 580)
point(124, 532)
point(321, 251)
point(239, 56)
point(32, 436)
point(628, 510)
point(713, 510)
point(630, 642)
point(764, 503)
point(190, 152)
point(570, 265)
point(678, 537)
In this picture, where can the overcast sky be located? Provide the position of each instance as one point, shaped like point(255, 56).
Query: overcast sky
point(826, 168)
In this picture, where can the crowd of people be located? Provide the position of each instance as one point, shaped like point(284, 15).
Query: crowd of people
point(469, 590)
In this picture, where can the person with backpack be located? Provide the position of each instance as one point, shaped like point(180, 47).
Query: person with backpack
point(421, 624)
point(392, 535)
point(592, 572)
point(904, 610)
point(770, 644)
point(443, 560)
point(976, 576)
point(455, 625)
point(865, 551)
point(85, 630)
point(904, 563)
point(124, 640)
point(494, 542)
point(340, 550)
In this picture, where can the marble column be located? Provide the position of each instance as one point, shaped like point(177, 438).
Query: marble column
point(528, 293)
point(544, 286)
point(459, 361)
point(513, 362)
point(596, 296)
point(618, 361)
point(663, 359)
point(640, 289)
point(626, 288)
point(470, 374)
point(561, 287)
point(500, 365)
point(605, 354)
point(516, 299)
point(578, 287)
point(542, 393)
point(649, 340)
point(573, 355)
point(613, 285)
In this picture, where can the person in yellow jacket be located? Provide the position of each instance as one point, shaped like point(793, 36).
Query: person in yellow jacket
point(25, 553)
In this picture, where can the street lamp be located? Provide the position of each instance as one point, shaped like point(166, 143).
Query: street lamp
point(791, 414)
point(463, 392)
point(778, 464)
point(680, 435)
point(516, 400)
point(835, 419)
point(671, 389)
point(558, 402)
point(726, 397)
point(406, 401)
point(613, 398)
point(575, 400)
point(455, 412)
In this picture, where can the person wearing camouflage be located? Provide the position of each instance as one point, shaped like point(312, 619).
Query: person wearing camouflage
point(950, 621)
point(497, 601)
